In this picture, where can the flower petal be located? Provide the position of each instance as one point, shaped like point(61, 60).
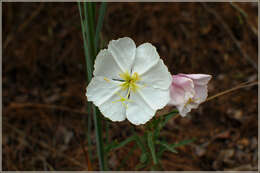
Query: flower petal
point(201, 93)
point(157, 76)
point(184, 109)
point(113, 109)
point(146, 57)
point(138, 110)
point(123, 50)
point(106, 66)
point(181, 90)
point(198, 79)
point(100, 90)
point(155, 98)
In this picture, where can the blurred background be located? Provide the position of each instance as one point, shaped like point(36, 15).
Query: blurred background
point(44, 83)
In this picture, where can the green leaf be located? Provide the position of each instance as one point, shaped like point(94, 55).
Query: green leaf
point(115, 145)
point(102, 11)
point(98, 133)
point(162, 123)
point(184, 142)
point(169, 116)
point(140, 166)
point(151, 146)
point(86, 48)
point(167, 146)
point(173, 146)
point(140, 143)
point(144, 157)
point(91, 24)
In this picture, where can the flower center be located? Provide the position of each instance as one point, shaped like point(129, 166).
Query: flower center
point(129, 81)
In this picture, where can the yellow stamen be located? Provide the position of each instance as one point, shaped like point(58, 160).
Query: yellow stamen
point(191, 100)
point(106, 79)
point(129, 81)
point(122, 99)
point(129, 84)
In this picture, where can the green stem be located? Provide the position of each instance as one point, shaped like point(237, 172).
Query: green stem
point(100, 146)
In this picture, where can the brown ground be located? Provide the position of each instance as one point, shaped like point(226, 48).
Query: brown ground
point(44, 83)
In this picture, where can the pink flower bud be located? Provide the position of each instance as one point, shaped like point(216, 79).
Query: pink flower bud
point(187, 91)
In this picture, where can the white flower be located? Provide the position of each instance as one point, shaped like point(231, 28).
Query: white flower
point(129, 82)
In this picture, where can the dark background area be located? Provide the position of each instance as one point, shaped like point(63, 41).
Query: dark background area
point(44, 83)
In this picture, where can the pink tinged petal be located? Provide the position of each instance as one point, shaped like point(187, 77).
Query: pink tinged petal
point(201, 94)
point(198, 79)
point(181, 90)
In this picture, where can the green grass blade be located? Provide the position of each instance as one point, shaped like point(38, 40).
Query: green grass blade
point(87, 31)
point(91, 23)
point(102, 11)
point(86, 48)
point(151, 146)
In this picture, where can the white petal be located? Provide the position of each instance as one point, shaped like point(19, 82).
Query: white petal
point(106, 66)
point(201, 93)
point(146, 57)
point(157, 77)
point(112, 109)
point(156, 98)
point(138, 111)
point(99, 90)
point(123, 50)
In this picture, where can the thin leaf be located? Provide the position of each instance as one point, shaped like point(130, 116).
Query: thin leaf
point(184, 142)
point(151, 146)
point(144, 157)
point(169, 116)
point(115, 146)
point(89, 130)
point(91, 34)
point(173, 146)
point(100, 147)
point(102, 11)
point(167, 146)
point(86, 48)
point(162, 123)
point(140, 143)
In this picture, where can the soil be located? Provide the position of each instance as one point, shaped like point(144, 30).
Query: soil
point(44, 84)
